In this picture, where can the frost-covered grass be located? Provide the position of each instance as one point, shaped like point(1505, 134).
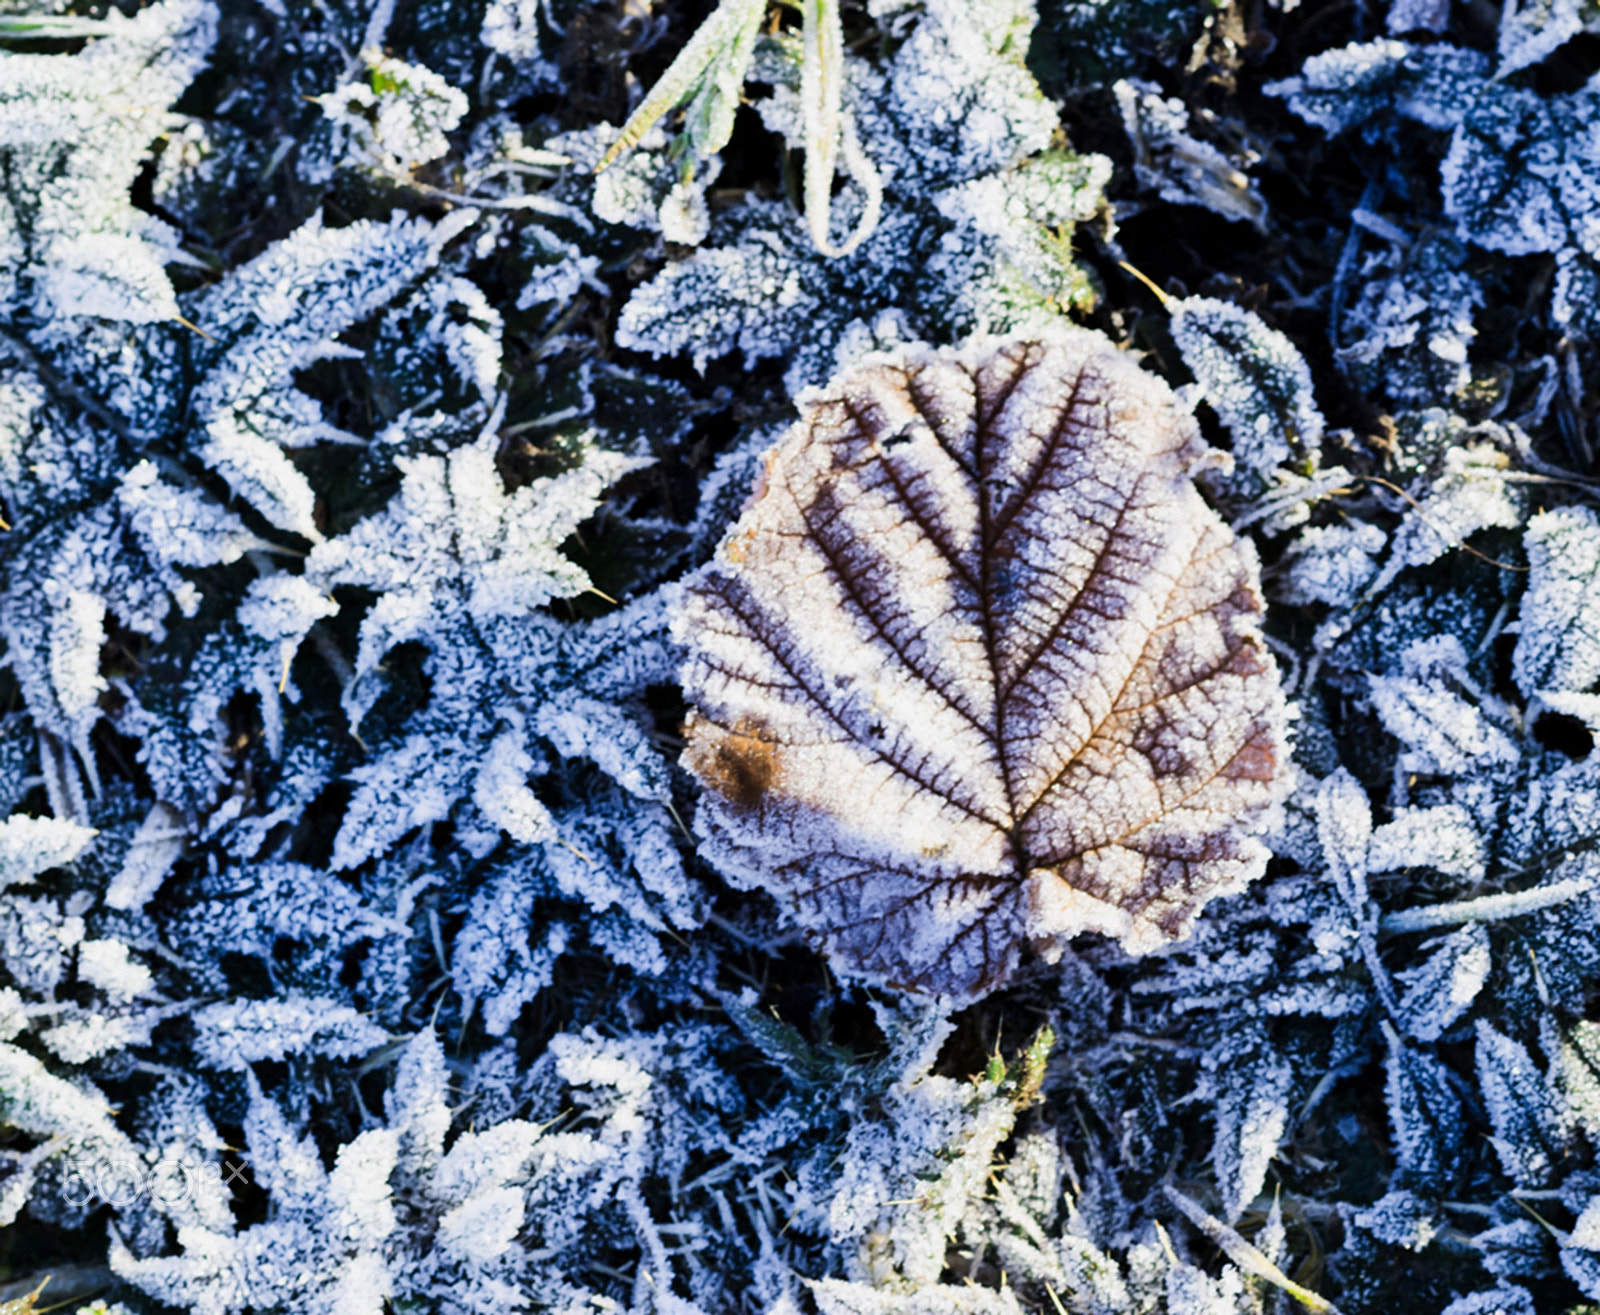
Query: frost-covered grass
point(357, 953)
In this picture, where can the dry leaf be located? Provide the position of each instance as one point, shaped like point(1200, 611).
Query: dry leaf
point(977, 668)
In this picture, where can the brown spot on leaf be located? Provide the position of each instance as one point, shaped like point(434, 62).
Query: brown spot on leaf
point(741, 765)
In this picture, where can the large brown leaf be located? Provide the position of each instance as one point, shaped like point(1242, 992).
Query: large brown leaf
point(977, 668)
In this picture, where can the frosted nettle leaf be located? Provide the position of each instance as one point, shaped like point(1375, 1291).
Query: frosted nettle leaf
point(1253, 376)
point(1582, 1264)
point(1530, 1130)
point(1545, 198)
point(1339, 89)
point(1252, 1115)
point(1530, 31)
point(1578, 1074)
point(1432, 706)
point(979, 669)
point(1408, 333)
point(1425, 1113)
point(1344, 828)
point(1469, 495)
point(233, 1034)
point(181, 527)
point(1441, 989)
point(1400, 1218)
point(1516, 1249)
point(1503, 1300)
point(1559, 647)
point(279, 314)
point(1443, 732)
point(397, 116)
point(1442, 838)
point(1331, 564)
point(454, 535)
point(114, 276)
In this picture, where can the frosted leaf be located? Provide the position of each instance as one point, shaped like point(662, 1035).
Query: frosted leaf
point(398, 115)
point(501, 791)
point(1442, 988)
point(358, 1187)
point(180, 527)
point(112, 276)
point(732, 298)
point(971, 234)
point(1331, 564)
point(1558, 646)
point(235, 1034)
point(960, 87)
point(1532, 29)
point(279, 314)
point(482, 1228)
point(155, 847)
point(1503, 1300)
point(927, 789)
point(1443, 732)
point(1252, 1116)
point(511, 28)
point(1254, 378)
point(1578, 1074)
point(1586, 1229)
point(1442, 838)
point(1529, 1123)
point(1023, 209)
point(261, 473)
point(495, 963)
point(106, 966)
point(280, 610)
point(33, 937)
point(72, 150)
point(463, 566)
point(1344, 829)
point(619, 852)
point(1191, 1291)
point(932, 1149)
point(1341, 88)
point(557, 269)
point(1516, 1249)
point(31, 845)
point(1183, 170)
point(1575, 300)
point(446, 321)
point(1544, 199)
point(14, 1013)
point(1425, 1114)
point(1409, 331)
point(1401, 1218)
point(1417, 16)
point(80, 1039)
point(1468, 495)
point(838, 1297)
point(453, 535)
